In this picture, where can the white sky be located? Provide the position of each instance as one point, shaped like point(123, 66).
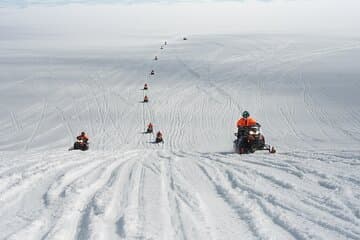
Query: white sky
point(328, 17)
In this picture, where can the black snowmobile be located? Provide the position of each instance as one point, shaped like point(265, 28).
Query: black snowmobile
point(80, 145)
point(250, 139)
point(159, 138)
point(149, 130)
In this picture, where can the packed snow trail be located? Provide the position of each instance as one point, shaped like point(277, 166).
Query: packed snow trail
point(162, 194)
point(193, 186)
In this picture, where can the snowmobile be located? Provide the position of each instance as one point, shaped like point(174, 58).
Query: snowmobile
point(146, 99)
point(161, 47)
point(152, 72)
point(184, 38)
point(80, 145)
point(145, 87)
point(156, 58)
point(159, 138)
point(250, 139)
point(149, 129)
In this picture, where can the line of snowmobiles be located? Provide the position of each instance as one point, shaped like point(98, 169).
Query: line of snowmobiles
point(249, 138)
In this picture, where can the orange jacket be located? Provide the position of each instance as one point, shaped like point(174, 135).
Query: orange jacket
point(84, 138)
point(246, 122)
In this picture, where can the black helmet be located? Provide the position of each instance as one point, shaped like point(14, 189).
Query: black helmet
point(245, 114)
point(82, 133)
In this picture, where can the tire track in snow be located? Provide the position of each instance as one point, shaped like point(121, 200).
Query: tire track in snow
point(301, 208)
point(185, 201)
point(97, 204)
point(49, 168)
point(248, 207)
point(79, 190)
point(37, 127)
point(17, 125)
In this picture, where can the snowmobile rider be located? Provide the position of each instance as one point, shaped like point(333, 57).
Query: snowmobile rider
point(145, 86)
point(152, 72)
point(150, 128)
point(146, 99)
point(159, 137)
point(246, 120)
point(82, 137)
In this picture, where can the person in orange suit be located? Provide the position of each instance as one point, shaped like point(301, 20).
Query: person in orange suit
point(146, 99)
point(159, 137)
point(82, 137)
point(246, 120)
point(149, 128)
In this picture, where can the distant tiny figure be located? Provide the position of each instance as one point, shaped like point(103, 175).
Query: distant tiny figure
point(156, 58)
point(185, 38)
point(165, 43)
point(152, 72)
point(146, 99)
point(149, 128)
point(145, 86)
point(159, 137)
point(161, 47)
point(81, 142)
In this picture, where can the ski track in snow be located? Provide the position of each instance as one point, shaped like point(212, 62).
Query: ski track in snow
point(191, 186)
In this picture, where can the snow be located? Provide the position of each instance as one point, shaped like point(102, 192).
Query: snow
point(302, 88)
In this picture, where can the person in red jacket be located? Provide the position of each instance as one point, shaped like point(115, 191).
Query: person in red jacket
point(82, 137)
point(81, 143)
point(149, 128)
point(146, 99)
point(159, 137)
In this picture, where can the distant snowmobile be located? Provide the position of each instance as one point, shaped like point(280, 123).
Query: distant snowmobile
point(146, 99)
point(81, 143)
point(156, 58)
point(185, 38)
point(152, 72)
point(149, 128)
point(159, 137)
point(249, 139)
point(161, 47)
point(145, 86)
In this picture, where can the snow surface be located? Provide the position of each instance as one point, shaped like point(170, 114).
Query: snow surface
point(303, 89)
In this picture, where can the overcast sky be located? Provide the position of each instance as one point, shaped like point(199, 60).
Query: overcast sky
point(328, 17)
